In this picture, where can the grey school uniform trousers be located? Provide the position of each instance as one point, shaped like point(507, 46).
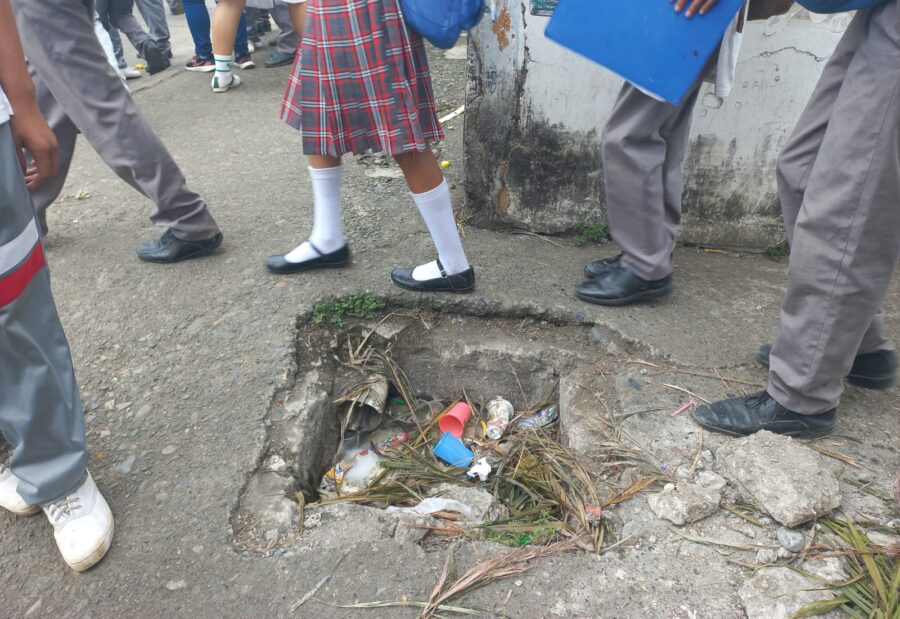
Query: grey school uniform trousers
point(79, 92)
point(643, 148)
point(288, 40)
point(40, 405)
point(839, 184)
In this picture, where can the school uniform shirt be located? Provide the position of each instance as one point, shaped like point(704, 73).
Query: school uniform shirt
point(5, 108)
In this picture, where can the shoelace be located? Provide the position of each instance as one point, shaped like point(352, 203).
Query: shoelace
point(63, 508)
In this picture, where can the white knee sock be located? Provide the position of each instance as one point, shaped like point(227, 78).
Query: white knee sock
point(437, 211)
point(328, 230)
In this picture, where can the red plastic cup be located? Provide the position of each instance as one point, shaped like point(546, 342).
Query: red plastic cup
point(454, 421)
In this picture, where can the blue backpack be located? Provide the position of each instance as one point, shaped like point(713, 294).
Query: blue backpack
point(442, 21)
point(838, 6)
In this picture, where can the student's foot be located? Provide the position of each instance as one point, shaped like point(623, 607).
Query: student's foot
point(156, 59)
point(619, 285)
point(872, 370)
point(82, 525)
point(224, 84)
point(10, 499)
point(168, 248)
point(244, 62)
point(131, 74)
point(308, 258)
point(599, 267)
point(746, 415)
point(279, 59)
point(251, 47)
point(439, 281)
point(200, 65)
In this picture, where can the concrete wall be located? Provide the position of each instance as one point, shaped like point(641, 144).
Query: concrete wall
point(535, 111)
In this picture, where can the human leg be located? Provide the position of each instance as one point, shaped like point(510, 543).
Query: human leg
point(93, 97)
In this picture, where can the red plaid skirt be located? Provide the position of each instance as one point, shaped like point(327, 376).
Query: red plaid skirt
point(360, 82)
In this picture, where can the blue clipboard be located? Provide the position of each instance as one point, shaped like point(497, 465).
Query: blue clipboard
point(644, 41)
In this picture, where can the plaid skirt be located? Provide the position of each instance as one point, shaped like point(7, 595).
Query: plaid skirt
point(360, 82)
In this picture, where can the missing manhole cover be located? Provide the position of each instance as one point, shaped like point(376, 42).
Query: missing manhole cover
point(440, 359)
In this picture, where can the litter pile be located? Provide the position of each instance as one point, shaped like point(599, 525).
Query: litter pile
point(407, 452)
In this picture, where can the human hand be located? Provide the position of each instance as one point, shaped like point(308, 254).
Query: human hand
point(696, 6)
point(33, 137)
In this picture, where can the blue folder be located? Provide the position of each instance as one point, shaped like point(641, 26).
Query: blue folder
point(644, 41)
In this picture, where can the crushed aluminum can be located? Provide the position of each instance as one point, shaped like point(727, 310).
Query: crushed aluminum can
point(540, 419)
point(499, 412)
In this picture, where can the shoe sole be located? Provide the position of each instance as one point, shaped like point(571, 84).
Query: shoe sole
point(246, 66)
point(280, 64)
point(797, 434)
point(873, 383)
point(235, 83)
point(307, 269)
point(208, 69)
point(97, 555)
point(25, 513)
point(448, 290)
point(652, 295)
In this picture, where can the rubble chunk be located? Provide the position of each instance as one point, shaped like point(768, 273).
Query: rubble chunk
point(684, 503)
point(791, 483)
point(779, 592)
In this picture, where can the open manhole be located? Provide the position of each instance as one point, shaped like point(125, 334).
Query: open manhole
point(417, 364)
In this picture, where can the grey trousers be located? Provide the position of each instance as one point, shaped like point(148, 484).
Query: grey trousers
point(79, 92)
point(40, 404)
point(154, 13)
point(287, 40)
point(643, 148)
point(839, 183)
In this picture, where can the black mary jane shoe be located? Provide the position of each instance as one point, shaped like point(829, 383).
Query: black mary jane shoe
point(620, 286)
point(746, 415)
point(599, 267)
point(337, 259)
point(458, 282)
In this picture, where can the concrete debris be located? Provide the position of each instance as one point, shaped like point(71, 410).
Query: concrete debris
point(766, 556)
point(267, 499)
point(779, 592)
point(684, 503)
point(791, 483)
point(885, 540)
point(829, 569)
point(790, 539)
point(482, 504)
point(711, 481)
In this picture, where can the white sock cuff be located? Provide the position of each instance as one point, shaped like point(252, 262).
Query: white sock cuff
point(324, 174)
point(225, 58)
point(428, 196)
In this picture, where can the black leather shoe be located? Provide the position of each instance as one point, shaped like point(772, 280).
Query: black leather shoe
point(620, 286)
point(872, 370)
point(459, 282)
point(749, 414)
point(337, 259)
point(169, 248)
point(599, 267)
point(156, 59)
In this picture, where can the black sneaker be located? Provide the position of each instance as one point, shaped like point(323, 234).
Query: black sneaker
point(746, 415)
point(169, 248)
point(872, 370)
point(620, 286)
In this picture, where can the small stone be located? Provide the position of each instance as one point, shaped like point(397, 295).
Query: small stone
point(684, 503)
point(597, 335)
point(144, 411)
point(710, 480)
point(766, 556)
point(643, 371)
point(123, 406)
point(790, 539)
point(683, 472)
point(614, 350)
point(784, 553)
point(518, 583)
point(272, 536)
point(176, 585)
point(109, 405)
point(126, 466)
point(483, 504)
point(830, 569)
point(168, 450)
point(197, 550)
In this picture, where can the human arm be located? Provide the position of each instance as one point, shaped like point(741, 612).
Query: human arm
point(30, 131)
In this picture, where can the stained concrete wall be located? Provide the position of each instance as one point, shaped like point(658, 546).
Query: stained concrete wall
point(535, 112)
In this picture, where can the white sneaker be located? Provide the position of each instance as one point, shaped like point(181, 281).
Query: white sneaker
point(221, 86)
point(131, 74)
point(9, 494)
point(251, 47)
point(82, 525)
